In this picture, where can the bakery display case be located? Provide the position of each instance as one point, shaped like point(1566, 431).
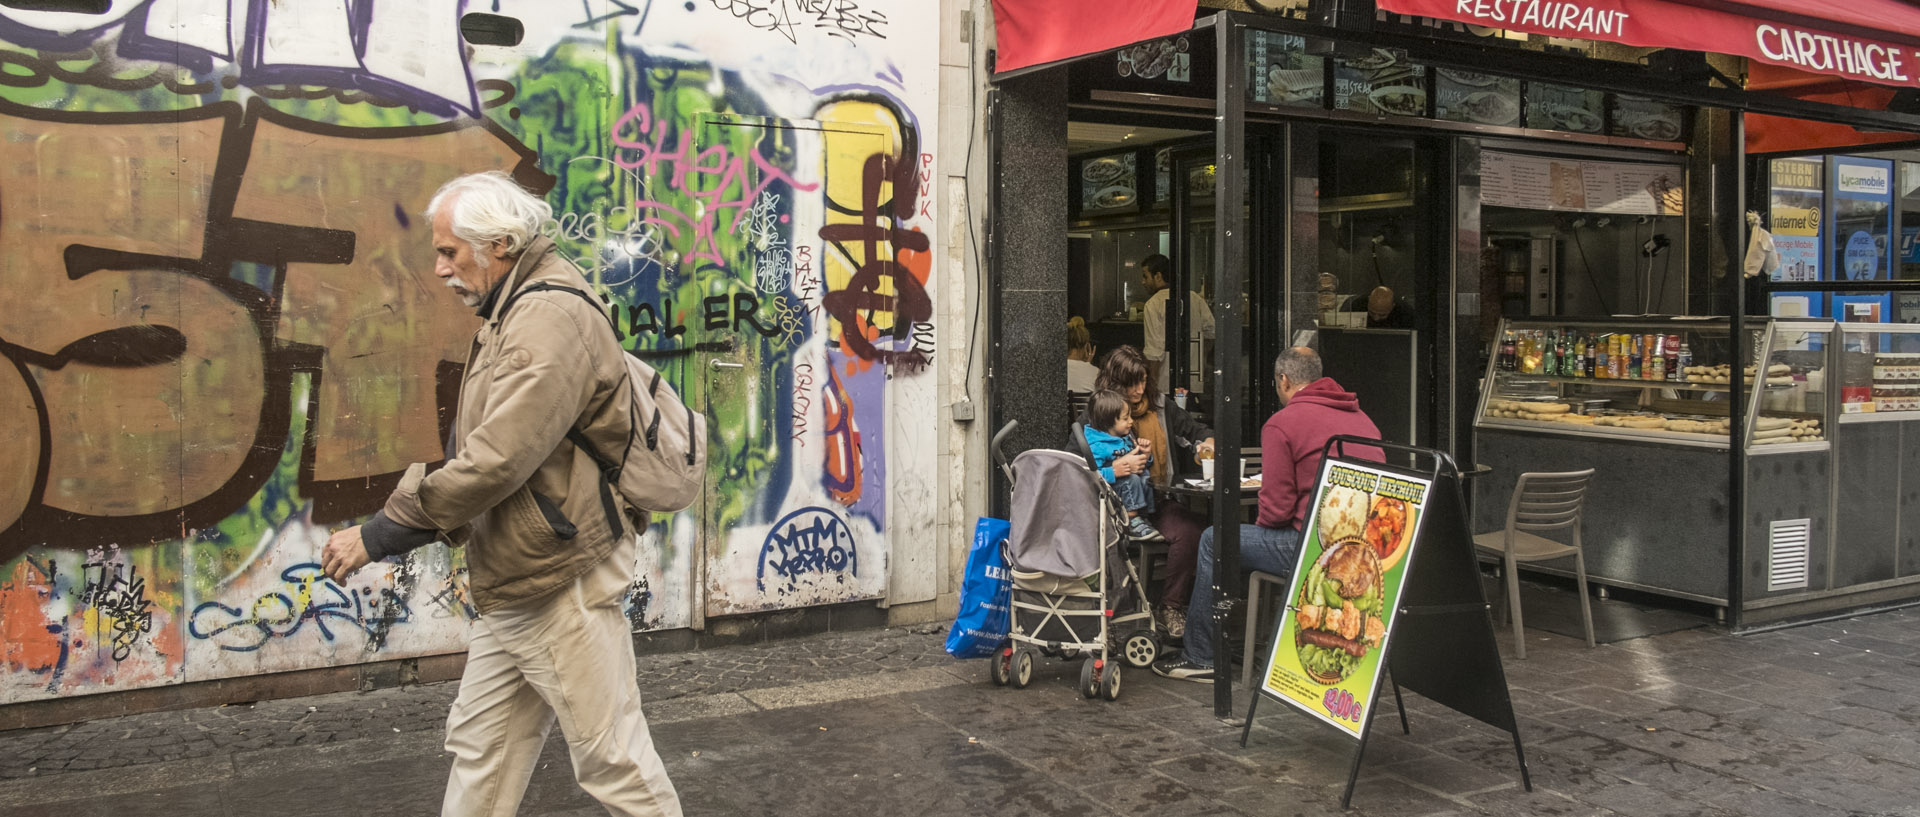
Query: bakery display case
point(1829, 423)
point(1656, 380)
point(1646, 403)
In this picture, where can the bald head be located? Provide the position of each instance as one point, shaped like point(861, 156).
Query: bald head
point(1380, 303)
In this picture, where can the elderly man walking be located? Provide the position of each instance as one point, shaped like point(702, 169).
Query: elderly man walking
point(548, 561)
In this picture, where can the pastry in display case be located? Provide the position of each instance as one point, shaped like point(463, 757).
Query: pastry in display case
point(1790, 388)
point(1655, 379)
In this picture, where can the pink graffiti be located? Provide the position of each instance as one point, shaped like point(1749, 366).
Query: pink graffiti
point(718, 181)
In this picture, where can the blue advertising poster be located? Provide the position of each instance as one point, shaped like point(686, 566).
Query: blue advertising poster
point(1860, 226)
point(1799, 194)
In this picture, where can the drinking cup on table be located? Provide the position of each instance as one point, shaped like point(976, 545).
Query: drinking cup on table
point(1206, 469)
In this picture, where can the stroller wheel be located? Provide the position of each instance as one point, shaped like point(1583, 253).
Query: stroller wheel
point(1022, 669)
point(1001, 669)
point(1089, 679)
point(1110, 683)
point(1141, 648)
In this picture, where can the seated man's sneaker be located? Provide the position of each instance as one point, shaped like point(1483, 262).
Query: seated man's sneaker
point(1183, 669)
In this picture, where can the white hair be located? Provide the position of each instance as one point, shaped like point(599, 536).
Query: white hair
point(489, 207)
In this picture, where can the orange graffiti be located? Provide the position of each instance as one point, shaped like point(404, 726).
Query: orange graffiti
point(29, 644)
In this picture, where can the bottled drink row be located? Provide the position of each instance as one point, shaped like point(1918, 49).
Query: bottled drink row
point(1599, 355)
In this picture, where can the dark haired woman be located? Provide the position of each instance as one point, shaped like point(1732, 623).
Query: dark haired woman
point(1162, 429)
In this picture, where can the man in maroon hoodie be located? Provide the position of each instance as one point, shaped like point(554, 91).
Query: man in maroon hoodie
point(1312, 409)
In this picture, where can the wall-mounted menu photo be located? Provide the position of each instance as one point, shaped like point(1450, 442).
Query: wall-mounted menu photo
point(1639, 118)
point(1168, 58)
point(1560, 107)
point(1483, 99)
point(1280, 72)
point(1381, 83)
point(1109, 183)
point(1199, 180)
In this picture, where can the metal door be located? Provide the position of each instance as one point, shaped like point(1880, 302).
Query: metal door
point(786, 297)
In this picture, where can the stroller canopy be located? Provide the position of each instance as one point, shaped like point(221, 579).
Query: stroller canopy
point(1056, 514)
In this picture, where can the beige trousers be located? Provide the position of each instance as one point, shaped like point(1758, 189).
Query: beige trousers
point(566, 656)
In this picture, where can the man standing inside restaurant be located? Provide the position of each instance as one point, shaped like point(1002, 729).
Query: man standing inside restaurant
point(548, 563)
point(1312, 409)
point(1156, 272)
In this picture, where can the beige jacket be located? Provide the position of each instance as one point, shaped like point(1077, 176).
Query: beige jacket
point(523, 499)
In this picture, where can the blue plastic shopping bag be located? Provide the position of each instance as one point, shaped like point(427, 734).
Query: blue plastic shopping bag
point(982, 625)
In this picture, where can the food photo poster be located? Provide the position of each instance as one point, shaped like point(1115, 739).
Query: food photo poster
point(1340, 605)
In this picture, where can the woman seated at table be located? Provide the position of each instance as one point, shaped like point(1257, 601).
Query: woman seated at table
point(1170, 432)
point(1081, 373)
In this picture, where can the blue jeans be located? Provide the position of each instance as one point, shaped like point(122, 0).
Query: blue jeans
point(1135, 493)
point(1264, 549)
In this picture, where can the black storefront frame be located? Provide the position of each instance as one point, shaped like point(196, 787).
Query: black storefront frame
point(1230, 108)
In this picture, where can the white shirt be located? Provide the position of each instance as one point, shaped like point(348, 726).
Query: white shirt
point(1199, 325)
point(1081, 375)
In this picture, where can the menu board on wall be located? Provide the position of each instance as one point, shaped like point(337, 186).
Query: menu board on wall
point(1553, 183)
point(1381, 83)
point(1199, 179)
point(1861, 238)
point(1282, 73)
point(1640, 118)
point(1483, 99)
point(1156, 59)
point(1560, 107)
point(1109, 183)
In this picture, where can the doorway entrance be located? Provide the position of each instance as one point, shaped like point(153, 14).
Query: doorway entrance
point(1383, 278)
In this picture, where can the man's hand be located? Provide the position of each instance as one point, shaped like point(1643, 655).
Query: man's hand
point(345, 553)
point(1204, 449)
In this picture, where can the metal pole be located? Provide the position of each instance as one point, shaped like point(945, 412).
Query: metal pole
point(1229, 373)
point(1736, 388)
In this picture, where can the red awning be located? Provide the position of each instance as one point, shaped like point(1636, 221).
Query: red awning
point(1779, 134)
point(1036, 32)
point(1870, 40)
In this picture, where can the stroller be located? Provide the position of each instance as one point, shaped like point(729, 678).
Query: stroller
point(1074, 588)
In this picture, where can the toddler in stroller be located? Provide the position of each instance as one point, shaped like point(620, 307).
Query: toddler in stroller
point(1074, 590)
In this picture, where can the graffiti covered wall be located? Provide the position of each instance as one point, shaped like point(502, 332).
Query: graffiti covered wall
point(222, 338)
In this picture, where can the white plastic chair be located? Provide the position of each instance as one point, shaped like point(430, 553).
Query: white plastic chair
point(1542, 502)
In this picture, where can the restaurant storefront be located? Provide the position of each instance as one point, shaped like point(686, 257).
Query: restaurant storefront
point(1553, 221)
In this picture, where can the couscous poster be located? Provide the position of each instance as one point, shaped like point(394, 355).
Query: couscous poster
point(1326, 656)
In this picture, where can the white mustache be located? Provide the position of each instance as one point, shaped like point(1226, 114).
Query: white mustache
point(467, 295)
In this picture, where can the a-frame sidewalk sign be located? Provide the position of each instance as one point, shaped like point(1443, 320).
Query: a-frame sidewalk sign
point(1386, 579)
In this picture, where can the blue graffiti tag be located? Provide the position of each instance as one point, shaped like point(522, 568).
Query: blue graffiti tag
point(308, 596)
point(809, 540)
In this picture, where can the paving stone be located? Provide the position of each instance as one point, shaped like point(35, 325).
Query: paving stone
point(1821, 721)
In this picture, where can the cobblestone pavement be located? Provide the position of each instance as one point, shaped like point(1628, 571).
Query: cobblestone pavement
point(1817, 721)
point(323, 719)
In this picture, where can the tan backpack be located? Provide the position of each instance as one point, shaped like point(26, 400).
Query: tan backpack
point(663, 465)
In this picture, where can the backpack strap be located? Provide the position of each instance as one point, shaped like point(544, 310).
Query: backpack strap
point(609, 470)
point(542, 286)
